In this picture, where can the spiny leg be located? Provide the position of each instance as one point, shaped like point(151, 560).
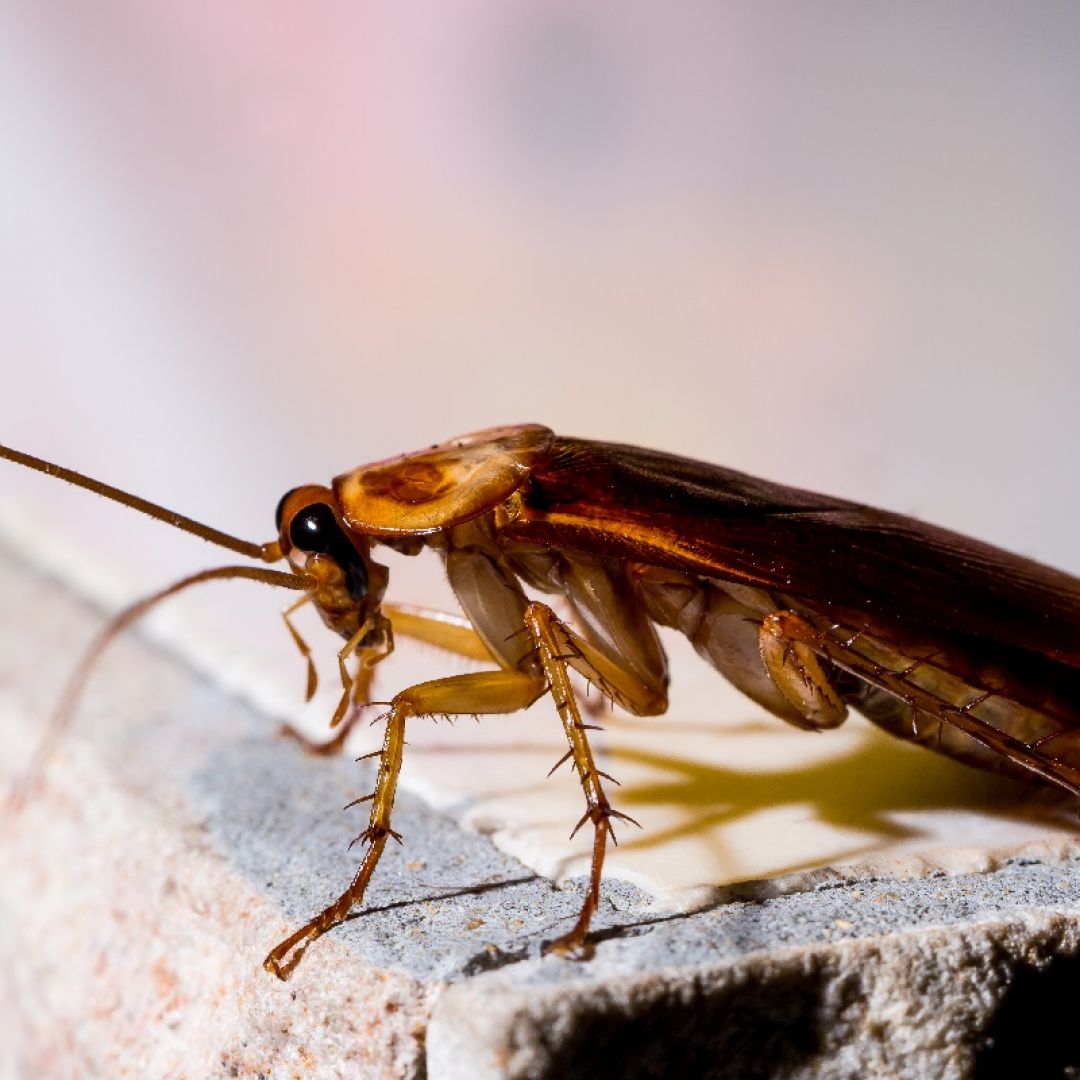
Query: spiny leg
point(502, 691)
point(476, 692)
point(791, 626)
point(559, 647)
point(375, 836)
point(800, 676)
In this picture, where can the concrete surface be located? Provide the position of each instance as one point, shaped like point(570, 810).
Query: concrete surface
point(175, 838)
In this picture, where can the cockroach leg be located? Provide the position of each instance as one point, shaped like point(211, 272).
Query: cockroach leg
point(558, 764)
point(915, 722)
point(365, 677)
point(558, 648)
point(1028, 756)
point(975, 702)
point(284, 957)
point(500, 691)
point(356, 690)
point(442, 629)
point(799, 675)
point(312, 746)
point(302, 645)
point(474, 692)
point(348, 682)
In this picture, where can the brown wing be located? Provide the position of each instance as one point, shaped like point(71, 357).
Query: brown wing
point(906, 580)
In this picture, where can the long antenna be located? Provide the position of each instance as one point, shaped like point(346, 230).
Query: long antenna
point(61, 717)
point(264, 552)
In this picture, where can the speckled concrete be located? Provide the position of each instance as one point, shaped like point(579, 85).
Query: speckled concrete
point(176, 838)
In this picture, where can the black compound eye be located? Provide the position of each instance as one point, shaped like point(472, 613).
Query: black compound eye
point(314, 529)
point(279, 513)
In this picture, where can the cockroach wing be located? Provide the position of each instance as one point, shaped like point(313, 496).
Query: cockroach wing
point(435, 489)
point(905, 580)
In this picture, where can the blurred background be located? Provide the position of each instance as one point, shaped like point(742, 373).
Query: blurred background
point(247, 246)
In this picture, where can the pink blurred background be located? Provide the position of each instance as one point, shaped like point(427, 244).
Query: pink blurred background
point(248, 246)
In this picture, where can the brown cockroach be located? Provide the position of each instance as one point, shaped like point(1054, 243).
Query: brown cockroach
point(808, 604)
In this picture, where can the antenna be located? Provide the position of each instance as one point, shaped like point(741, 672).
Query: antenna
point(62, 714)
point(264, 552)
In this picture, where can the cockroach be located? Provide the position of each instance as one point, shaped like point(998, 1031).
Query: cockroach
point(809, 605)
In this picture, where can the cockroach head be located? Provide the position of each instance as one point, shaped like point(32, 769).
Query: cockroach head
point(309, 524)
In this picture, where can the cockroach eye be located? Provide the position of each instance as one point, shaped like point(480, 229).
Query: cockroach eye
point(279, 513)
point(314, 529)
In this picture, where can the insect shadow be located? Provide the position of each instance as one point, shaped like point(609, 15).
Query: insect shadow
point(861, 791)
point(287, 836)
point(858, 789)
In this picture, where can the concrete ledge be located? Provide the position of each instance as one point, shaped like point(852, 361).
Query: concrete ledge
point(991, 998)
point(175, 839)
